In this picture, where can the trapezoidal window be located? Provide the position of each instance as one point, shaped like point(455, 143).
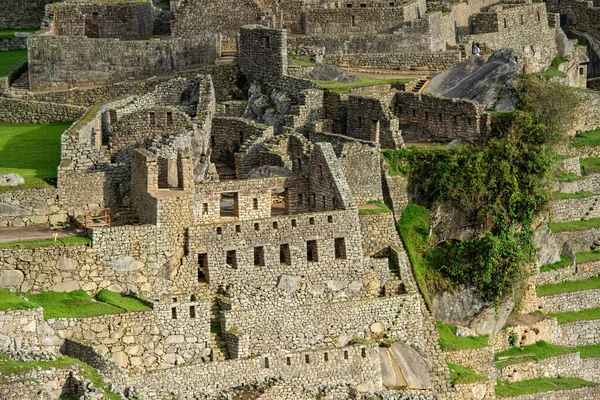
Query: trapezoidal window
point(91, 26)
point(202, 267)
point(340, 248)
point(259, 256)
point(229, 205)
point(285, 257)
point(312, 254)
point(231, 259)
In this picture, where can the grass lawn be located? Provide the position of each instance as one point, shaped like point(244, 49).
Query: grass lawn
point(66, 241)
point(587, 256)
point(568, 287)
point(505, 389)
point(539, 350)
point(462, 374)
point(11, 367)
point(76, 304)
point(363, 81)
point(302, 63)
point(413, 227)
point(563, 263)
point(570, 316)
point(32, 151)
point(572, 226)
point(589, 138)
point(590, 165)
point(578, 195)
point(10, 33)
point(552, 70)
point(9, 60)
point(382, 208)
point(568, 177)
point(449, 341)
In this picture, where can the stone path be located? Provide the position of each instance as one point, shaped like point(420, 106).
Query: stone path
point(30, 233)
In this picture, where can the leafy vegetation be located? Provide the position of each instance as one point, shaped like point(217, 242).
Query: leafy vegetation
point(10, 60)
point(562, 263)
point(381, 208)
point(578, 195)
point(587, 256)
point(572, 226)
point(590, 165)
point(568, 287)
point(589, 138)
point(461, 374)
point(449, 341)
point(76, 304)
point(570, 316)
point(505, 389)
point(363, 81)
point(66, 241)
point(32, 151)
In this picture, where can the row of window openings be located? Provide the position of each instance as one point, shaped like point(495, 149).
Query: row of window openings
point(300, 201)
point(238, 228)
point(285, 257)
point(539, 18)
point(152, 116)
point(363, 353)
point(440, 116)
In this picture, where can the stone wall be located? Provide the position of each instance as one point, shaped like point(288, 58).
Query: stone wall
point(587, 14)
point(53, 383)
point(378, 234)
point(579, 333)
point(480, 360)
point(409, 60)
point(27, 207)
point(13, 43)
point(358, 365)
point(590, 183)
point(14, 111)
point(369, 117)
point(573, 301)
point(395, 192)
point(564, 210)
point(589, 393)
point(324, 325)
point(263, 53)
point(23, 14)
point(566, 366)
point(578, 240)
point(59, 62)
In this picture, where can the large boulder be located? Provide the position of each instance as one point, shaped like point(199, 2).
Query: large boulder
point(11, 278)
point(324, 72)
point(403, 367)
point(487, 83)
point(563, 44)
point(11, 180)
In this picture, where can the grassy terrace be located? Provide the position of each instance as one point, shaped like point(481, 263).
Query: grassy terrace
point(461, 374)
point(32, 151)
point(587, 256)
point(449, 341)
point(374, 207)
point(10, 33)
point(66, 241)
point(578, 195)
point(76, 304)
point(590, 165)
point(552, 70)
point(589, 138)
point(9, 60)
point(568, 287)
point(573, 226)
point(11, 367)
point(571, 316)
point(541, 350)
point(563, 263)
point(505, 389)
point(363, 81)
point(568, 177)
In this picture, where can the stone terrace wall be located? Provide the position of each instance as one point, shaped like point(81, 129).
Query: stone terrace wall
point(444, 119)
point(579, 333)
point(433, 61)
point(263, 53)
point(578, 240)
point(590, 183)
point(566, 365)
point(15, 111)
point(573, 301)
point(575, 209)
point(270, 330)
point(370, 118)
point(34, 384)
point(378, 234)
point(59, 62)
point(23, 14)
point(589, 393)
point(27, 207)
point(340, 366)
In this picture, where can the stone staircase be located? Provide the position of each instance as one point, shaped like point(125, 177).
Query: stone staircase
point(225, 172)
point(420, 85)
point(227, 57)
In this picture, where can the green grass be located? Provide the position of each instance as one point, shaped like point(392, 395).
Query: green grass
point(589, 138)
point(11, 301)
point(32, 244)
point(363, 81)
point(11, 367)
point(449, 341)
point(578, 195)
point(76, 304)
point(568, 177)
point(10, 33)
point(413, 227)
point(587, 256)
point(534, 352)
point(505, 389)
point(562, 263)
point(571, 316)
point(9, 61)
point(568, 287)
point(302, 63)
point(573, 226)
point(383, 208)
point(590, 165)
point(462, 374)
point(552, 71)
point(32, 151)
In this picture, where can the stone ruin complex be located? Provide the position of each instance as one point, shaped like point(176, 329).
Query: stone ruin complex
point(235, 184)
